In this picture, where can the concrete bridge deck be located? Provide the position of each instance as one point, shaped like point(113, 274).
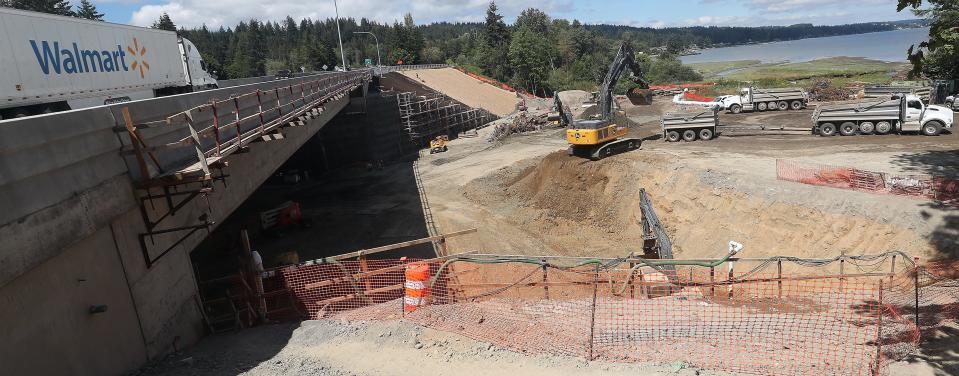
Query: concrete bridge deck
point(96, 215)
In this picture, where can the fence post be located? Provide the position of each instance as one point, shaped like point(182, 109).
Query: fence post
point(592, 317)
point(915, 283)
point(892, 269)
point(712, 281)
point(730, 278)
point(842, 272)
point(632, 283)
point(779, 277)
point(545, 280)
point(879, 333)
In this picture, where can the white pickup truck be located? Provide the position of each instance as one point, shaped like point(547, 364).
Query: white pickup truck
point(896, 114)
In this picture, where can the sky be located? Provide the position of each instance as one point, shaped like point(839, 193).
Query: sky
point(652, 13)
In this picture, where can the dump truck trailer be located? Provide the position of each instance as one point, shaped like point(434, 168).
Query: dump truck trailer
point(895, 114)
point(885, 91)
point(55, 63)
point(756, 99)
point(690, 125)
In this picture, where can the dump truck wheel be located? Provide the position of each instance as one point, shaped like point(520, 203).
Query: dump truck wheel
point(866, 127)
point(761, 106)
point(848, 128)
point(705, 134)
point(883, 127)
point(932, 128)
point(796, 105)
point(783, 106)
point(735, 108)
point(827, 129)
point(773, 106)
point(672, 136)
point(689, 135)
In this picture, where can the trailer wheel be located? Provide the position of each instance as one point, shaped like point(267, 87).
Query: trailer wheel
point(735, 108)
point(705, 134)
point(783, 106)
point(932, 128)
point(848, 128)
point(795, 105)
point(827, 129)
point(883, 127)
point(866, 127)
point(672, 136)
point(761, 106)
point(689, 135)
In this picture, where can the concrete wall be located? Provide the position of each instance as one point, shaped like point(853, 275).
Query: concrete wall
point(70, 229)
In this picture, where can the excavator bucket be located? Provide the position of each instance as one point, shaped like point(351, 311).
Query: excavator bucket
point(640, 97)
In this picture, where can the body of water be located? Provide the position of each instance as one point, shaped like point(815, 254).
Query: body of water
point(885, 46)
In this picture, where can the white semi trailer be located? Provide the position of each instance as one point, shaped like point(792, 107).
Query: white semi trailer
point(756, 99)
point(55, 63)
point(895, 114)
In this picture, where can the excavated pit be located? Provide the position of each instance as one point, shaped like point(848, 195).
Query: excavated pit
point(578, 207)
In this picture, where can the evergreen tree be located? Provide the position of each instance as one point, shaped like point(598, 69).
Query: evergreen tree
point(164, 23)
point(497, 34)
point(87, 10)
point(58, 7)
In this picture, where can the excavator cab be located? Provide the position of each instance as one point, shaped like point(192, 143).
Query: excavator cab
point(599, 136)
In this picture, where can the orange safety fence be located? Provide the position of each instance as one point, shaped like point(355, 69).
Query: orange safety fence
point(783, 316)
point(922, 186)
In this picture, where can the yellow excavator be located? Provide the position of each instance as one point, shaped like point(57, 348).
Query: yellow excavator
point(598, 136)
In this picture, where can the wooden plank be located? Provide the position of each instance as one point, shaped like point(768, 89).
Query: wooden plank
point(401, 245)
point(135, 142)
point(328, 282)
point(365, 293)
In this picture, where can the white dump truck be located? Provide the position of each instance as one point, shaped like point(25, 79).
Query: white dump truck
point(690, 125)
point(756, 99)
point(55, 63)
point(896, 114)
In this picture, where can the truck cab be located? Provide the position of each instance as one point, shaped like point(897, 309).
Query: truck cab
point(928, 119)
point(195, 68)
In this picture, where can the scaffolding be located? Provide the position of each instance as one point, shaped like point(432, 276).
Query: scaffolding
point(184, 166)
point(426, 116)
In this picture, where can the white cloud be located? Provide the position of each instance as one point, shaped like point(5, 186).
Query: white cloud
point(215, 13)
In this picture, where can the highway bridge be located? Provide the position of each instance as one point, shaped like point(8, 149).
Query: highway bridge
point(102, 207)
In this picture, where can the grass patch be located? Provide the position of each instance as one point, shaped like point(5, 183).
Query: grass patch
point(711, 69)
point(842, 71)
point(834, 67)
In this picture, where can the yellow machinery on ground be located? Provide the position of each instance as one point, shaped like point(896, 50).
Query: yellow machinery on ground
point(599, 136)
point(438, 144)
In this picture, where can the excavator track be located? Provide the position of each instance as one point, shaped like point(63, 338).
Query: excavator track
point(597, 152)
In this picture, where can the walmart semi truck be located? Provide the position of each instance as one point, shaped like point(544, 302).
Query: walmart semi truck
point(54, 63)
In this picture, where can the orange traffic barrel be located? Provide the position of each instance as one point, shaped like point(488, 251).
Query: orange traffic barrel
point(417, 278)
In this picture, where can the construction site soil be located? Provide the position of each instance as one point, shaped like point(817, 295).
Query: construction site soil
point(527, 196)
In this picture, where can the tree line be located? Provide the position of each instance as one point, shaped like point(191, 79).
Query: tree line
point(536, 52)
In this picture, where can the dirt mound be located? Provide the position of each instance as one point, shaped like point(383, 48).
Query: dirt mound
point(467, 90)
point(583, 208)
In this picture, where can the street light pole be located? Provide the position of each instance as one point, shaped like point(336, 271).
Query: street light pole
point(338, 35)
point(378, 62)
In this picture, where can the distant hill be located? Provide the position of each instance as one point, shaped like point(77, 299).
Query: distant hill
point(718, 36)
